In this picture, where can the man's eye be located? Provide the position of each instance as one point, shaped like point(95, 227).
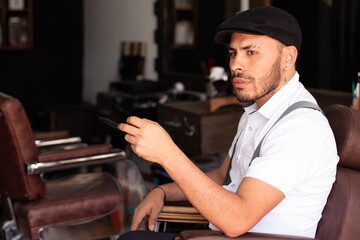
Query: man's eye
point(250, 52)
point(232, 54)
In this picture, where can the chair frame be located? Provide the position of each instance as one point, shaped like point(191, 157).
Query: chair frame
point(38, 163)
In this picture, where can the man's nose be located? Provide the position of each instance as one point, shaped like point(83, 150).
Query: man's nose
point(236, 64)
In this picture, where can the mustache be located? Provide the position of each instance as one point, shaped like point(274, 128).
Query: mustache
point(242, 75)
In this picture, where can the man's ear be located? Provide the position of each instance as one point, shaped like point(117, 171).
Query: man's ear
point(290, 56)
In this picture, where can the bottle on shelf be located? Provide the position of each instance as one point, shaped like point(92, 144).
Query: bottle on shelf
point(124, 61)
point(356, 93)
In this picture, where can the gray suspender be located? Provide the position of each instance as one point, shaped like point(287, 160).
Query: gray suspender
point(301, 104)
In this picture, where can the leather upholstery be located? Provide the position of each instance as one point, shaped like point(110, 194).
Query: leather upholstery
point(341, 216)
point(82, 152)
point(17, 148)
point(37, 204)
point(214, 235)
point(69, 200)
point(51, 135)
point(345, 123)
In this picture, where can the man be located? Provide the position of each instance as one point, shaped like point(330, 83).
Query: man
point(285, 188)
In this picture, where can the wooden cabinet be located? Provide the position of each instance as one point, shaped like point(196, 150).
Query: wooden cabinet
point(16, 24)
point(196, 130)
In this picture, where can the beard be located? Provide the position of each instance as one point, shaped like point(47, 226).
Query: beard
point(261, 86)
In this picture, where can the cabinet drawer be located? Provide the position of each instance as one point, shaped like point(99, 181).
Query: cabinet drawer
point(197, 131)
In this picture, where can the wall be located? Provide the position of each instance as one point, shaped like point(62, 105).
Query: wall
point(329, 57)
point(106, 24)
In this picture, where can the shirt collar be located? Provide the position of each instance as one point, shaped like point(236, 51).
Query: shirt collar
point(277, 99)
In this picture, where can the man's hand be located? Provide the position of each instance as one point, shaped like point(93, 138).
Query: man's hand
point(150, 207)
point(149, 140)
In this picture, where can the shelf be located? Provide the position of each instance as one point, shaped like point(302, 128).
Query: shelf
point(184, 24)
point(16, 26)
point(187, 5)
point(15, 48)
point(24, 11)
point(182, 47)
point(185, 9)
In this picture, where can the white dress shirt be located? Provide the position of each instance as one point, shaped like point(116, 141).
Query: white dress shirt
point(298, 156)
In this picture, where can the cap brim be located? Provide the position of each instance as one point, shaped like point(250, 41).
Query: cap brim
point(224, 37)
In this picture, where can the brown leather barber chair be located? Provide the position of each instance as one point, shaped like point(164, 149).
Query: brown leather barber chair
point(30, 204)
point(341, 216)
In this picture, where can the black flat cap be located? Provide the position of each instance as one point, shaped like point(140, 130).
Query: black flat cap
point(270, 21)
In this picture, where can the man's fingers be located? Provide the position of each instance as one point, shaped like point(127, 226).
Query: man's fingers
point(152, 220)
point(132, 125)
point(135, 225)
point(135, 121)
point(130, 129)
point(138, 122)
point(130, 138)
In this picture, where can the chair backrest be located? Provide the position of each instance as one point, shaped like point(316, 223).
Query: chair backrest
point(17, 147)
point(341, 216)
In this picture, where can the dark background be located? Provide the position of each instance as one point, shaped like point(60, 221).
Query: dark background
point(329, 56)
point(51, 73)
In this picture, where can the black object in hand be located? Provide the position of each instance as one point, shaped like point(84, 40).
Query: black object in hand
point(110, 123)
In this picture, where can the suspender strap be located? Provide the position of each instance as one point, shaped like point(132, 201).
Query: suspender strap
point(227, 177)
point(301, 104)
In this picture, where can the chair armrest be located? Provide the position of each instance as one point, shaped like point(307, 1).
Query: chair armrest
point(184, 212)
point(216, 235)
point(57, 142)
point(56, 163)
point(181, 212)
point(75, 153)
point(51, 135)
point(61, 147)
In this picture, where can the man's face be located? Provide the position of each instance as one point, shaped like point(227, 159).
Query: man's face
point(255, 64)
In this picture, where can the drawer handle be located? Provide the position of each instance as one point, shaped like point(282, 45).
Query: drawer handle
point(173, 124)
point(190, 128)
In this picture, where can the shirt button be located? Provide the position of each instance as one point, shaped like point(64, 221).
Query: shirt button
point(250, 129)
point(233, 184)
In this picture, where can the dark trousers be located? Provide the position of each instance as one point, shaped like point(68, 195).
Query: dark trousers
point(143, 235)
point(173, 231)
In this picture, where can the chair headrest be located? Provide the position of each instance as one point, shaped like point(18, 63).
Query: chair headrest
point(345, 123)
